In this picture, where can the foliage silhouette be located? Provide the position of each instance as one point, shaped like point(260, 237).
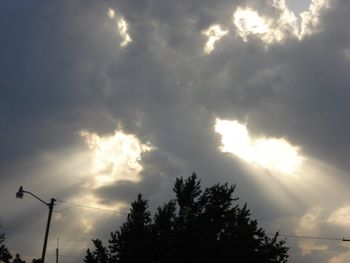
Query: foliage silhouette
point(198, 226)
point(18, 259)
point(5, 255)
point(99, 255)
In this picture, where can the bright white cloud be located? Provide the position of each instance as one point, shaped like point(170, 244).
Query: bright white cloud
point(340, 217)
point(310, 18)
point(111, 13)
point(115, 157)
point(249, 22)
point(124, 32)
point(122, 27)
point(275, 154)
point(214, 34)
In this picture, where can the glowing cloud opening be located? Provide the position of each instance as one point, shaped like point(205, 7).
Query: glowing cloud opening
point(270, 153)
point(311, 18)
point(115, 157)
point(249, 22)
point(111, 13)
point(122, 27)
point(123, 31)
point(214, 34)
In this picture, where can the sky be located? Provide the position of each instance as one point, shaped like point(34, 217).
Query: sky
point(102, 100)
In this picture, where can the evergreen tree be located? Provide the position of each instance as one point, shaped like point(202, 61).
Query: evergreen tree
point(99, 255)
point(89, 258)
point(163, 232)
point(132, 242)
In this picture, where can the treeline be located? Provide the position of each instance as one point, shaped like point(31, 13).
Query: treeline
point(5, 255)
point(197, 226)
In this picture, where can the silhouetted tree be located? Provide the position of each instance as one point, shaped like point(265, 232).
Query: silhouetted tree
point(5, 255)
point(132, 242)
point(18, 259)
point(89, 258)
point(163, 233)
point(99, 255)
point(198, 226)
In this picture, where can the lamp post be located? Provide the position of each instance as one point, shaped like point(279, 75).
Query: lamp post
point(50, 205)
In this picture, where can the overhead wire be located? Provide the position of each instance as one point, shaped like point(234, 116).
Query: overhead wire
point(309, 237)
point(125, 213)
point(73, 205)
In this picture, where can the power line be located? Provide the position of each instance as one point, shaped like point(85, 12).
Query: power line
point(310, 237)
point(73, 205)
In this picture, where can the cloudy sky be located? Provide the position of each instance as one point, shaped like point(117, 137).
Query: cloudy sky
point(101, 100)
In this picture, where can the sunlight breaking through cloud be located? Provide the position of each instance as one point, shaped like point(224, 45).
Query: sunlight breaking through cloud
point(250, 22)
point(274, 154)
point(122, 27)
point(311, 18)
point(115, 157)
point(214, 34)
point(111, 13)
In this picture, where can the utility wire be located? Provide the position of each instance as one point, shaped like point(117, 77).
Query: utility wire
point(310, 237)
point(125, 213)
point(73, 205)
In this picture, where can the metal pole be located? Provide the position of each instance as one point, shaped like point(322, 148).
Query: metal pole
point(57, 250)
point(50, 205)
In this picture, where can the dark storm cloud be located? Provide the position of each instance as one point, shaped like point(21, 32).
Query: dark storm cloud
point(297, 90)
point(62, 70)
point(126, 191)
point(48, 62)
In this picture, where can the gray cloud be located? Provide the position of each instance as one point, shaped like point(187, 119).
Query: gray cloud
point(63, 70)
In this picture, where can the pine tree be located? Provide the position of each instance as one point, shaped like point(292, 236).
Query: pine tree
point(99, 255)
point(89, 258)
point(131, 243)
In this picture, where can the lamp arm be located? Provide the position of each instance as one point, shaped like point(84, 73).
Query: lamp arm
point(36, 197)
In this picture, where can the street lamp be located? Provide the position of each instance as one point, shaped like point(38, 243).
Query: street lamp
point(20, 194)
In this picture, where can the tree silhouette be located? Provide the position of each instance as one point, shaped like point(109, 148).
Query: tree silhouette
point(198, 226)
point(18, 259)
point(5, 255)
point(99, 255)
point(131, 242)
